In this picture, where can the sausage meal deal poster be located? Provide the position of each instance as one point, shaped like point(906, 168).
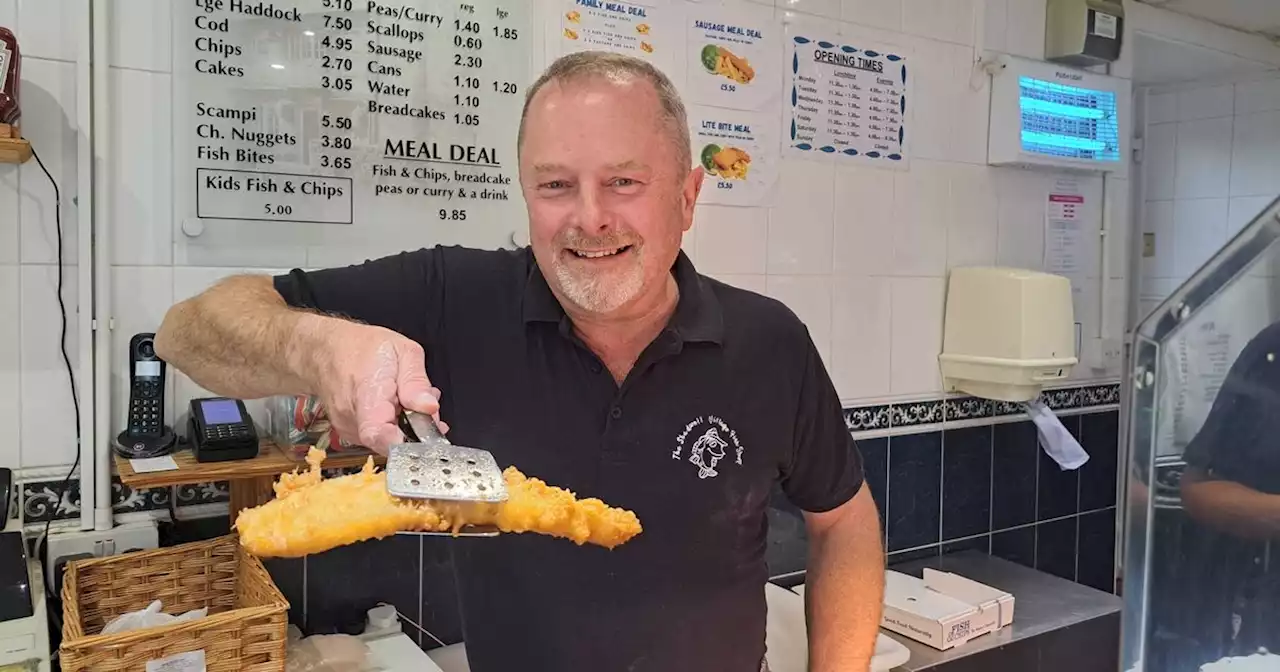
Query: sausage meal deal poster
point(738, 152)
point(734, 56)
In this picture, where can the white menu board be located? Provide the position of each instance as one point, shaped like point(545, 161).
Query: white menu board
point(733, 56)
point(848, 101)
point(345, 128)
point(738, 152)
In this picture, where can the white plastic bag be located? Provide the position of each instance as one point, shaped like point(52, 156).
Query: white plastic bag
point(328, 653)
point(150, 617)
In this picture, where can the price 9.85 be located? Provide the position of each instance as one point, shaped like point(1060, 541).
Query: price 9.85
point(453, 215)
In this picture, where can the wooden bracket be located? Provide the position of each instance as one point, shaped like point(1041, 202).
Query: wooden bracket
point(13, 149)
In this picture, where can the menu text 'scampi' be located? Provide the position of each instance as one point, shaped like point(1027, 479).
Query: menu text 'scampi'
point(299, 111)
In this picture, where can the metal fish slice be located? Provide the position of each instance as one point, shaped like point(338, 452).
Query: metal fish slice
point(428, 466)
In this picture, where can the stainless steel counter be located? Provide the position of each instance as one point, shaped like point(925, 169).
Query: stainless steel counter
point(1043, 603)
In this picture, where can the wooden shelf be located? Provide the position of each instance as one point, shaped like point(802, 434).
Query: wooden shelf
point(13, 149)
point(250, 480)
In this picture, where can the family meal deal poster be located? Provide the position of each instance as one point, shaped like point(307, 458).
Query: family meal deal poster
point(849, 101)
point(622, 27)
point(733, 56)
point(738, 152)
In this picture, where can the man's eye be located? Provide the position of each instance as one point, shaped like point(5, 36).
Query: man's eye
point(623, 182)
point(555, 184)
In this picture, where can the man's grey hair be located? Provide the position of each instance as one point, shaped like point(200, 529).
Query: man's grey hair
point(584, 65)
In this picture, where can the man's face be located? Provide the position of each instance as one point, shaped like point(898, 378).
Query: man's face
point(609, 199)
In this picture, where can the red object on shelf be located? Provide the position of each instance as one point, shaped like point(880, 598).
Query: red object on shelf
point(10, 75)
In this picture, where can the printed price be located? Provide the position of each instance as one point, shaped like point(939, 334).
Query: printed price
point(453, 215)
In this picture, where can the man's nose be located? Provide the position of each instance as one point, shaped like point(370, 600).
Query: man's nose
point(593, 218)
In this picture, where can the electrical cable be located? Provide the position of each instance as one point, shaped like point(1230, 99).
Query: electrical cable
point(71, 376)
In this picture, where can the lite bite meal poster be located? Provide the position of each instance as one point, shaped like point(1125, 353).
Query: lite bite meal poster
point(738, 152)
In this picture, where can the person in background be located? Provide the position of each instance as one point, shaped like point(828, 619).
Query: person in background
point(1231, 489)
point(599, 359)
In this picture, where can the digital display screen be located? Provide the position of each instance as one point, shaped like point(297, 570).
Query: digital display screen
point(1068, 121)
point(220, 411)
point(147, 369)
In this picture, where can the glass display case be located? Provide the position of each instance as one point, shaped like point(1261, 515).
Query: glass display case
point(1201, 566)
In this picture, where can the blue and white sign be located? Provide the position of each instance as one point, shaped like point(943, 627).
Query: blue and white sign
point(848, 101)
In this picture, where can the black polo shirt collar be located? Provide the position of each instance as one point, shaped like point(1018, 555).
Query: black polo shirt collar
point(698, 316)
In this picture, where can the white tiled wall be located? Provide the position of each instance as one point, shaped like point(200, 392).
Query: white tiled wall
point(1212, 163)
point(860, 254)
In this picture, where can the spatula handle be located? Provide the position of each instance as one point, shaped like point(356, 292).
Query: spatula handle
point(419, 428)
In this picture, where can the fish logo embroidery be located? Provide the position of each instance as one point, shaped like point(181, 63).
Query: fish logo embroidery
point(715, 438)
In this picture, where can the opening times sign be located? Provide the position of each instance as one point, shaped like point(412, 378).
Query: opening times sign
point(342, 111)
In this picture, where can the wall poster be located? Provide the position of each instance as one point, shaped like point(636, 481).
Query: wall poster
point(850, 101)
point(739, 153)
point(733, 56)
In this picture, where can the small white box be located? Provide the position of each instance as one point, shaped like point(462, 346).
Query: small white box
point(943, 610)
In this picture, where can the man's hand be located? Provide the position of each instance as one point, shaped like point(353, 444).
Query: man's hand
point(365, 375)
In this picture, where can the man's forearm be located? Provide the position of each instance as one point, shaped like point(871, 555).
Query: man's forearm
point(844, 588)
point(240, 339)
point(1231, 507)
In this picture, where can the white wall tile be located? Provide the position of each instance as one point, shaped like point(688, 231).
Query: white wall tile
point(9, 207)
point(917, 334)
point(9, 14)
point(49, 95)
point(1200, 229)
point(1255, 155)
point(809, 297)
point(1158, 219)
point(825, 8)
point(1159, 164)
point(886, 14)
point(1261, 96)
point(1020, 238)
point(1119, 195)
point(921, 201)
point(1204, 158)
point(1206, 102)
point(142, 213)
point(189, 281)
point(140, 34)
point(752, 283)
point(140, 297)
point(970, 110)
point(973, 224)
point(46, 29)
point(48, 416)
point(861, 336)
point(10, 368)
point(935, 91)
point(731, 240)
point(946, 20)
point(1026, 28)
point(1162, 107)
point(1244, 209)
point(864, 221)
point(995, 26)
point(800, 226)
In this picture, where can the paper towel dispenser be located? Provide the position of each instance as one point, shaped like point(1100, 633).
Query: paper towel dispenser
point(1008, 332)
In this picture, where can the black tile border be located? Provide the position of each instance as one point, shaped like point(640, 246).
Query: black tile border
point(929, 413)
point(40, 498)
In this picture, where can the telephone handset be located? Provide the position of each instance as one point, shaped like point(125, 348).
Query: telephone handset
point(146, 387)
point(145, 434)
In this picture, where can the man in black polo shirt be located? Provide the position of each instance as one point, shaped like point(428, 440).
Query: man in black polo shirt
point(600, 360)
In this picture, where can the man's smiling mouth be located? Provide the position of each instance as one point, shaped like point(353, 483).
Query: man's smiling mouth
point(599, 254)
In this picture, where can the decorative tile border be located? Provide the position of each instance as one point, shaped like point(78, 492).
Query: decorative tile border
point(932, 412)
point(40, 498)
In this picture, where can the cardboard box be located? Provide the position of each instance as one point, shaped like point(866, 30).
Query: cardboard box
point(943, 610)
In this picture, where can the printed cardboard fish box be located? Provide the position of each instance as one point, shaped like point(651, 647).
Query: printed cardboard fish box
point(943, 610)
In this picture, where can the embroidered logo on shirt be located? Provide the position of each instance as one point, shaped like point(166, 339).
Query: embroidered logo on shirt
point(712, 445)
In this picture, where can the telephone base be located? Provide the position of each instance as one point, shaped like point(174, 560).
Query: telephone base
point(142, 447)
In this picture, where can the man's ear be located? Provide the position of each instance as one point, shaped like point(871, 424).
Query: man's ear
point(689, 193)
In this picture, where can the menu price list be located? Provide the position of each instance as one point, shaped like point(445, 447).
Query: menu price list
point(298, 109)
point(846, 101)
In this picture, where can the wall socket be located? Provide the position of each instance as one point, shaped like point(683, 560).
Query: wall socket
point(99, 544)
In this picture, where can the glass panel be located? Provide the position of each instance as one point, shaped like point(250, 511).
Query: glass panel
point(1202, 574)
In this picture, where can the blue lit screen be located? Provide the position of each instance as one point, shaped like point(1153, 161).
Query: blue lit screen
point(1068, 121)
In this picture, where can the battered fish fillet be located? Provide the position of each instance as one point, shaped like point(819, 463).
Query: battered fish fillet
point(312, 514)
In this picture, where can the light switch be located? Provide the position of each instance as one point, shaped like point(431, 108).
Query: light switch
point(1148, 245)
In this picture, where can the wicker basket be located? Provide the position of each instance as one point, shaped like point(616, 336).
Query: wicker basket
point(244, 631)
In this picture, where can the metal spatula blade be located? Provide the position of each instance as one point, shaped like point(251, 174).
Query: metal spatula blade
point(428, 466)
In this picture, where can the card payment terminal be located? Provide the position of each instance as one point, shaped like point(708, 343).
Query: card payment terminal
point(220, 429)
